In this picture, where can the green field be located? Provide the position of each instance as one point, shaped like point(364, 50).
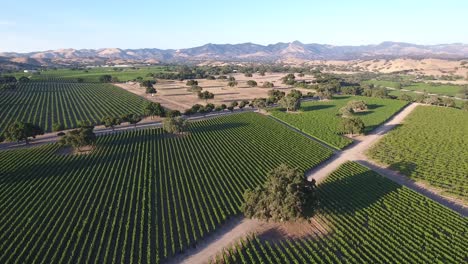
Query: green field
point(92, 74)
point(442, 89)
point(141, 196)
point(320, 119)
point(372, 220)
point(431, 145)
point(44, 103)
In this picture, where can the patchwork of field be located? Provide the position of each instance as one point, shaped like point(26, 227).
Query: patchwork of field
point(370, 219)
point(431, 146)
point(45, 103)
point(433, 88)
point(93, 74)
point(320, 119)
point(173, 94)
point(140, 196)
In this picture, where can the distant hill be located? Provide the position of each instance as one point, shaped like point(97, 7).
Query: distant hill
point(245, 52)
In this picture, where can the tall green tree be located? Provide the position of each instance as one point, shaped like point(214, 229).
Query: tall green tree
point(286, 195)
point(19, 131)
point(175, 125)
point(110, 121)
point(79, 138)
point(352, 126)
point(290, 103)
point(154, 109)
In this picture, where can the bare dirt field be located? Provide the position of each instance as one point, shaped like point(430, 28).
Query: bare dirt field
point(173, 94)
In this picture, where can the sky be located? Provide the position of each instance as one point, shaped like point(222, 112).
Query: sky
point(43, 25)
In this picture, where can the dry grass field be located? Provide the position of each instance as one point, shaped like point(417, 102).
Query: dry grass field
point(173, 94)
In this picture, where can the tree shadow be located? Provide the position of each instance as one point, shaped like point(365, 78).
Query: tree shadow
point(373, 106)
point(316, 107)
point(405, 167)
point(354, 192)
point(217, 127)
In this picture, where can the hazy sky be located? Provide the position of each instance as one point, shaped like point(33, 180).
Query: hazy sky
point(42, 25)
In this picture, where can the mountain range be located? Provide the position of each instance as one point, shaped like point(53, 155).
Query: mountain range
point(245, 52)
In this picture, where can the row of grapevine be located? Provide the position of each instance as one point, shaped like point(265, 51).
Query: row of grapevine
point(371, 220)
point(140, 196)
point(65, 103)
point(321, 120)
point(430, 146)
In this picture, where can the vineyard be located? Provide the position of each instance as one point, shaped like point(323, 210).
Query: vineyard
point(140, 196)
point(442, 89)
point(431, 146)
point(93, 74)
point(321, 120)
point(44, 103)
point(372, 220)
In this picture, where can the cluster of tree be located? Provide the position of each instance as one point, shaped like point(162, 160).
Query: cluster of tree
point(19, 131)
point(149, 86)
point(352, 125)
point(81, 137)
point(107, 78)
point(154, 109)
point(8, 82)
point(352, 107)
point(191, 82)
point(292, 101)
point(175, 124)
point(205, 95)
point(194, 89)
point(197, 108)
point(289, 79)
point(286, 195)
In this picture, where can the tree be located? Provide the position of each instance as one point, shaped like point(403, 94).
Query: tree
point(357, 105)
point(465, 106)
point(286, 195)
point(79, 138)
point(259, 103)
point(432, 100)
point(153, 109)
point(174, 125)
point(248, 74)
point(173, 113)
point(106, 78)
point(110, 121)
point(325, 94)
point(353, 125)
point(18, 131)
point(133, 119)
point(346, 111)
point(275, 95)
point(290, 103)
point(268, 85)
point(230, 108)
point(380, 92)
point(289, 79)
point(405, 97)
point(194, 89)
point(234, 103)
point(23, 79)
point(399, 86)
point(243, 103)
point(448, 102)
point(232, 83)
point(57, 127)
point(295, 93)
point(115, 79)
point(191, 82)
point(251, 83)
point(231, 78)
point(205, 95)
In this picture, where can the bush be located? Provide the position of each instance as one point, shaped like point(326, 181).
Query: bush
point(251, 83)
